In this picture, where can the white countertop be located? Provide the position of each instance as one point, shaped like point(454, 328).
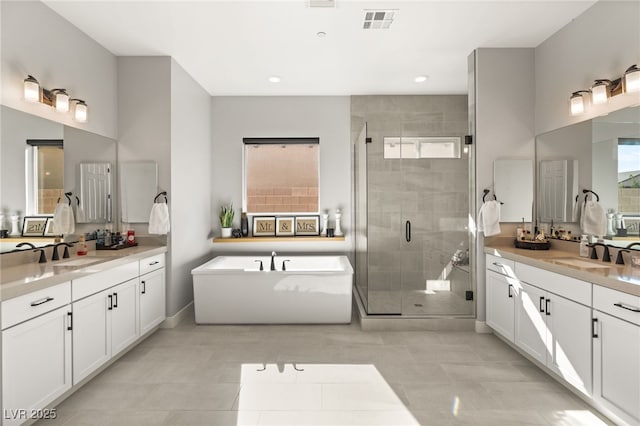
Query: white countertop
point(623, 278)
point(25, 278)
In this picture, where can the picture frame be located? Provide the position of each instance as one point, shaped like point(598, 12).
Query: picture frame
point(48, 230)
point(34, 226)
point(285, 226)
point(308, 225)
point(264, 226)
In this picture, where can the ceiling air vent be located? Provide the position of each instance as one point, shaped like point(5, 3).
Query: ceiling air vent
point(378, 19)
point(322, 3)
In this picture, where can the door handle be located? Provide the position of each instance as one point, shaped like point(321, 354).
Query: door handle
point(144, 287)
point(594, 334)
point(110, 302)
point(509, 291)
point(541, 302)
point(546, 307)
point(407, 230)
point(115, 300)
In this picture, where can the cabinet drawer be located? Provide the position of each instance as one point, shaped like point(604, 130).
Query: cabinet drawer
point(617, 303)
point(94, 283)
point(151, 263)
point(571, 288)
point(31, 305)
point(500, 265)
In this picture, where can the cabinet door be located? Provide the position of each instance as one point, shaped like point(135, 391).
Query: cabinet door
point(501, 295)
point(569, 341)
point(531, 328)
point(124, 315)
point(152, 300)
point(36, 364)
point(616, 365)
point(91, 334)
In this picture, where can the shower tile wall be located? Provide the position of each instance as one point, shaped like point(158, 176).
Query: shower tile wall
point(431, 193)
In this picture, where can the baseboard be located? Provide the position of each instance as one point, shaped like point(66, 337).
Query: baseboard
point(483, 328)
point(172, 322)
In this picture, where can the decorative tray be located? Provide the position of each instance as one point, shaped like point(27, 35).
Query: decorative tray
point(533, 245)
point(115, 247)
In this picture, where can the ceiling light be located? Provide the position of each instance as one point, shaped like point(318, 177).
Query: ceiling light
point(421, 78)
point(31, 89)
point(577, 102)
point(600, 92)
point(274, 79)
point(632, 79)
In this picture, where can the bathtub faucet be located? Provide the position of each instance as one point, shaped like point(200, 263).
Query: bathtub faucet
point(273, 263)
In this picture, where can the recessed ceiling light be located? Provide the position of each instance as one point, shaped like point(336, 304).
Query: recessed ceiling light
point(321, 34)
point(421, 78)
point(274, 79)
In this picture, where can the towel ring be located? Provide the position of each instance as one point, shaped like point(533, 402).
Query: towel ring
point(163, 194)
point(485, 192)
point(586, 193)
point(77, 201)
point(68, 195)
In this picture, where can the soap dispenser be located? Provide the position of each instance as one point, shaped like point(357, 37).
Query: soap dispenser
point(584, 246)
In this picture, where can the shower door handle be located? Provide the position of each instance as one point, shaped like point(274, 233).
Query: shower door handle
point(407, 230)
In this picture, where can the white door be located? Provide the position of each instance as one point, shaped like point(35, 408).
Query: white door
point(569, 340)
point(124, 315)
point(91, 334)
point(152, 300)
point(616, 358)
point(500, 304)
point(531, 326)
point(36, 364)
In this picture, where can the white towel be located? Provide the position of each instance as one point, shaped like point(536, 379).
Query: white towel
point(63, 220)
point(576, 215)
point(489, 218)
point(80, 216)
point(594, 219)
point(159, 219)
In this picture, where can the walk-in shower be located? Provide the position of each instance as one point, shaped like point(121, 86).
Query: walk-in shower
point(412, 185)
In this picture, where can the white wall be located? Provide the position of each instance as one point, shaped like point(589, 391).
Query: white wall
point(504, 102)
point(37, 41)
point(601, 43)
point(325, 117)
point(192, 218)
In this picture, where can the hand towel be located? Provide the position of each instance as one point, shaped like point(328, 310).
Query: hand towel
point(594, 219)
point(80, 215)
point(489, 218)
point(159, 219)
point(577, 210)
point(63, 220)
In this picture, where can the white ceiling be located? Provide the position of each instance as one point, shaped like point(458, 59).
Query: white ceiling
point(232, 47)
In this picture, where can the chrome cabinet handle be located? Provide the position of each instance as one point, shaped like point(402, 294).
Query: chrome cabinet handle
point(41, 301)
point(627, 307)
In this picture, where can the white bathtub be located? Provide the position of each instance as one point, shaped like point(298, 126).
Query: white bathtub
point(313, 289)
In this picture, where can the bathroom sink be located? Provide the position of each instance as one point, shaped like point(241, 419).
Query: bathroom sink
point(81, 261)
point(579, 263)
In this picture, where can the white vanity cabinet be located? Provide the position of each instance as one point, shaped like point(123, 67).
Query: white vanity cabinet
point(501, 290)
point(152, 292)
point(553, 323)
point(105, 322)
point(36, 352)
point(616, 352)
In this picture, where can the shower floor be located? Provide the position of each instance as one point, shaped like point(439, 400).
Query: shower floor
point(419, 302)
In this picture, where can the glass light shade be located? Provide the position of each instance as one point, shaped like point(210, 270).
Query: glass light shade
point(577, 104)
point(81, 112)
point(599, 94)
point(31, 90)
point(632, 80)
point(62, 101)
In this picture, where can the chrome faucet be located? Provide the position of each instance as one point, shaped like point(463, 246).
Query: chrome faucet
point(273, 263)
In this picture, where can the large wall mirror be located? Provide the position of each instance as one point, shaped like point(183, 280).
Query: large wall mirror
point(602, 155)
point(32, 179)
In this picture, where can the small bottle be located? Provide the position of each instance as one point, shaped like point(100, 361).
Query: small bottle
point(131, 237)
point(107, 238)
point(584, 248)
point(82, 246)
point(244, 224)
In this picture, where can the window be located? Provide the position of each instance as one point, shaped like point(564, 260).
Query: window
point(422, 147)
point(45, 175)
point(629, 176)
point(281, 175)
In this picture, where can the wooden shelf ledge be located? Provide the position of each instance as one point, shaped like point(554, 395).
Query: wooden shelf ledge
point(277, 239)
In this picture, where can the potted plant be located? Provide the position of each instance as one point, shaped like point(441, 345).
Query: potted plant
point(226, 220)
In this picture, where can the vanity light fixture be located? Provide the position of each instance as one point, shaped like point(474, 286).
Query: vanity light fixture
point(600, 92)
point(80, 112)
point(31, 89)
point(56, 98)
point(632, 79)
point(577, 102)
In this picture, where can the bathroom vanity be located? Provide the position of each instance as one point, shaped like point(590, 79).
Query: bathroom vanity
point(577, 319)
point(65, 321)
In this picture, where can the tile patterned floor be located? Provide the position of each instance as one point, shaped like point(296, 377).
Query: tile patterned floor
point(321, 375)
